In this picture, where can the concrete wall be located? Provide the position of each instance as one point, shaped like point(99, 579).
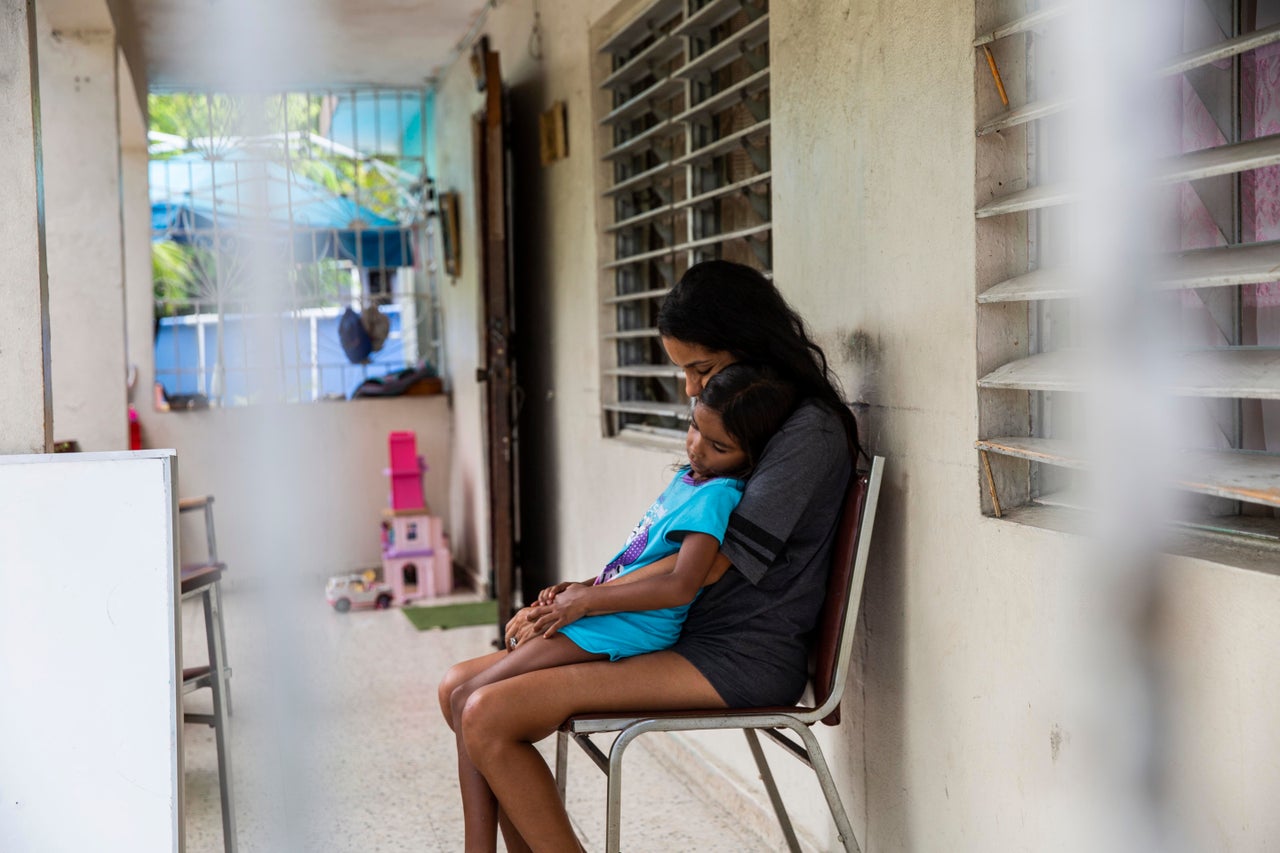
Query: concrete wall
point(980, 714)
point(308, 473)
point(26, 399)
point(80, 121)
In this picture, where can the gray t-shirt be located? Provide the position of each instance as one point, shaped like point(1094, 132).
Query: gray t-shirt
point(748, 634)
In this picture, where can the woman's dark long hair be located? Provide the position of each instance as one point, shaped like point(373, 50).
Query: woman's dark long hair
point(732, 308)
point(753, 403)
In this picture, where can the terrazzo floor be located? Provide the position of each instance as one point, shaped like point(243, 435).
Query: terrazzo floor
point(337, 744)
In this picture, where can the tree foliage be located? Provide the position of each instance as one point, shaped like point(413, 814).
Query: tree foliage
point(286, 128)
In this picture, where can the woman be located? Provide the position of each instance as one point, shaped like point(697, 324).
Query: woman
point(744, 640)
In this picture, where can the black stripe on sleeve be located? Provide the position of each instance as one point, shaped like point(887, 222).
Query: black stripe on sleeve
point(731, 538)
point(760, 538)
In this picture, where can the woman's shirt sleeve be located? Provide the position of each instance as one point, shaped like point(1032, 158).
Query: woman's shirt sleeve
point(796, 465)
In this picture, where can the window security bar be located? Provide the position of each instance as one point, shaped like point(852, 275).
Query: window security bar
point(644, 25)
point(1242, 475)
point(1220, 269)
point(1221, 266)
point(686, 139)
point(714, 58)
point(712, 14)
point(1252, 372)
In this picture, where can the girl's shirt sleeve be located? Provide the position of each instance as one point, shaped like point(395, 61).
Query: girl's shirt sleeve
point(796, 466)
point(707, 510)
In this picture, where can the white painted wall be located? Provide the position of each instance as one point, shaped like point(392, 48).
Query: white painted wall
point(326, 458)
point(969, 719)
point(26, 404)
point(80, 120)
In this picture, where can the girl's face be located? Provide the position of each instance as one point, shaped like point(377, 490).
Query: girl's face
point(712, 451)
point(698, 363)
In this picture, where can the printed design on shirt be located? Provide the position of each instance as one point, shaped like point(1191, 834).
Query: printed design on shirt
point(636, 543)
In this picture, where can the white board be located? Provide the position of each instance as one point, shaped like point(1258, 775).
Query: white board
point(90, 683)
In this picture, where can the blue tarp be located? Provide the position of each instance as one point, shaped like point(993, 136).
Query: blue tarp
point(229, 201)
point(180, 370)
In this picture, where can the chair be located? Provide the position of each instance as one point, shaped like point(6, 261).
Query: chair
point(833, 648)
point(205, 580)
point(205, 503)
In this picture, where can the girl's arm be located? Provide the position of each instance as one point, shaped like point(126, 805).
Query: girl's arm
point(668, 564)
point(549, 594)
point(694, 563)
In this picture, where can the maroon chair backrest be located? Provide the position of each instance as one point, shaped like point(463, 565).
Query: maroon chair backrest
point(831, 621)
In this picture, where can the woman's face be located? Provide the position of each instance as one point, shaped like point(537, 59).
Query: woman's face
point(698, 363)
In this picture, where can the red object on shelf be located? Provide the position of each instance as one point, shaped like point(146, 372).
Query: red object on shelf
point(135, 430)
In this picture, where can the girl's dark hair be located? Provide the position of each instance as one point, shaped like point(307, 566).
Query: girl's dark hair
point(753, 403)
point(732, 308)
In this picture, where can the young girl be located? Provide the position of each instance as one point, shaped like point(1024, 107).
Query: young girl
point(629, 608)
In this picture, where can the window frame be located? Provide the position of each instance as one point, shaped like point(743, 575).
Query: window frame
point(681, 96)
point(249, 146)
point(1017, 373)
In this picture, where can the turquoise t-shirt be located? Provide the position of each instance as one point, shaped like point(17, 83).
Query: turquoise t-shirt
point(685, 506)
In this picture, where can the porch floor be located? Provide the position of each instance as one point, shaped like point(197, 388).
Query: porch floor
point(373, 760)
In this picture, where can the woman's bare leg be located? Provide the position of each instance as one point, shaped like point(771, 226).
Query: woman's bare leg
point(502, 720)
point(511, 836)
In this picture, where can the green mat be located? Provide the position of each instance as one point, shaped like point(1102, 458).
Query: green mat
point(453, 615)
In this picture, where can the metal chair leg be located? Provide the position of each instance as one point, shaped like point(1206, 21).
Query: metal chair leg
point(771, 787)
point(216, 597)
point(562, 762)
point(222, 736)
point(819, 764)
point(613, 809)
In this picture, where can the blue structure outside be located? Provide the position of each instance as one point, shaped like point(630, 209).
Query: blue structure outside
point(390, 123)
point(222, 203)
point(180, 371)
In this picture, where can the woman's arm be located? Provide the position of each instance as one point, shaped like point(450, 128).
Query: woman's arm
point(695, 562)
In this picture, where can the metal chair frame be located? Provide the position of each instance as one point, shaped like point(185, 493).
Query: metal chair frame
point(203, 581)
point(852, 546)
point(205, 503)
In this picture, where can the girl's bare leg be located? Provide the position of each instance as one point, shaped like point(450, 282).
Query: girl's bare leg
point(474, 788)
point(479, 807)
point(503, 719)
point(459, 674)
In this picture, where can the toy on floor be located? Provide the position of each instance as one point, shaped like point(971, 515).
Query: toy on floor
point(415, 552)
point(360, 589)
point(416, 562)
point(415, 555)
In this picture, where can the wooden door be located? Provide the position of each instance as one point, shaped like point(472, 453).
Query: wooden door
point(492, 160)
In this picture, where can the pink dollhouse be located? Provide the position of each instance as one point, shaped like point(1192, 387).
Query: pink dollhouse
point(415, 552)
